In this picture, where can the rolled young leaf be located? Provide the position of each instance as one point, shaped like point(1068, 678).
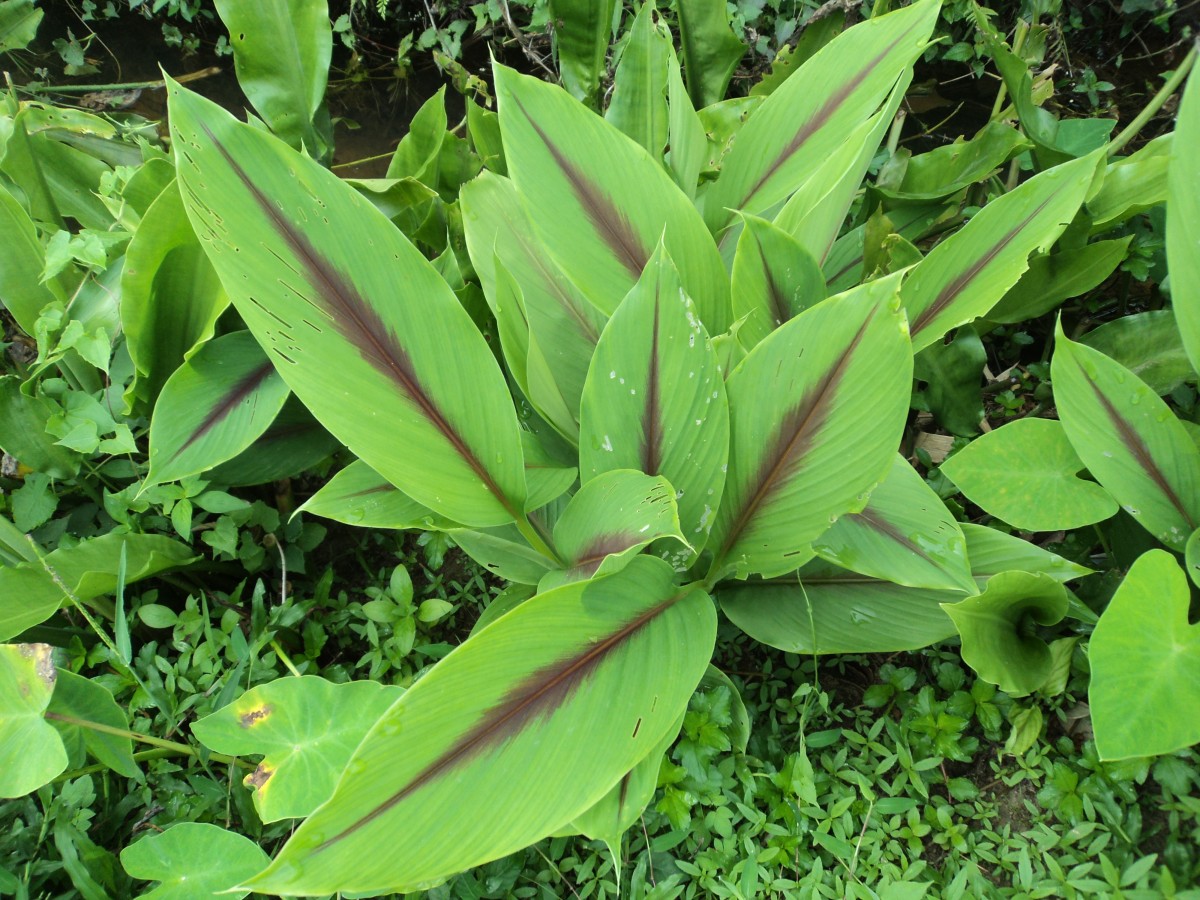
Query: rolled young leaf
point(313, 269)
point(655, 399)
point(816, 412)
point(1129, 439)
point(582, 29)
point(542, 712)
point(600, 202)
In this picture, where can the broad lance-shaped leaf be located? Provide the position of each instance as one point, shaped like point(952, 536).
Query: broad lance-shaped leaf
point(774, 280)
point(1043, 491)
point(563, 321)
point(314, 270)
point(1183, 220)
point(1129, 439)
point(214, 407)
point(655, 399)
point(816, 412)
point(306, 729)
point(904, 535)
point(582, 29)
point(968, 273)
point(1145, 648)
point(806, 120)
point(611, 518)
point(541, 712)
point(600, 202)
point(639, 98)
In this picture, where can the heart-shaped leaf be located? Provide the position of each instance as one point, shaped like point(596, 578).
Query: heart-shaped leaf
point(1145, 658)
point(31, 752)
point(194, 861)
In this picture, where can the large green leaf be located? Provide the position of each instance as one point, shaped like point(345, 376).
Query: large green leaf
point(825, 609)
point(563, 321)
point(998, 629)
point(966, 274)
point(655, 399)
point(953, 375)
point(293, 443)
point(1056, 277)
point(306, 729)
point(281, 51)
point(904, 535)
point(215, 406)
point(1183, 220)
point(687, 137)
point(29, 594)
point(774, 280)
point(1149, 345)
point(542, 712)
point(1135, 183)
point(31, 752)
point(639, 99)
point(170, 297)
point(946, 170)
point(711, 51)
point(358, 495)
point(1026, 474)
point(600, 202)
point(806, 120)
point(19, 21)
point(193, 861)
point(287, 238)
point(611, 518)
point(83, 700)
point(992, 552)
point(1129, 440)
point(1145, 658)
point(816, 412)
point(21, 289)
point(581, 32)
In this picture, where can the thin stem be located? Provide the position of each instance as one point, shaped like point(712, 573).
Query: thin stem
point(1018, 44)
point(173, 746)
point(531, 534)
point(140, 756)
point(1117, 144)
point(119, 86)
point(364, 160)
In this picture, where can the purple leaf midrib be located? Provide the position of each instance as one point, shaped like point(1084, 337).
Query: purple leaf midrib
point(243, 389)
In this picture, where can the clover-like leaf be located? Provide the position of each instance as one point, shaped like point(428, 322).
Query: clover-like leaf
point(307, 728)
point(999, 629)
point(1145, 657)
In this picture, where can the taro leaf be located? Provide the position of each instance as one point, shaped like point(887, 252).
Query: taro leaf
point(1183, 220)
point(31, 752)
point(306, 728)
point(281, 51)
point(611, 518)
point(1055, 277)
point(542, 712)
point(1145, 658)
point(947, 170)
point(89, 701)
point(626, 801)
point(816, 412)
point(565, 324)
point(904, 535)
point(966, 274)
point(170, 297)
point(1129, 440)
point(687, 138)
point(1133, 185)
point(288, 239)
point(639, 98)
point(953, 374)
point(23, 432)
point(193, 861)
point(774, 280)
point(1026, 473)
point(215, 406)
point(19, 21)
point(581, 36)
point(294, 442)
point(992, 552)
point(806, 120)
point(711, 51)
point(30, 595)
point(826, 609)
point(602, 202)
point(998, 629)
point(21, 289)
point(1149, 345)
point(655, 399)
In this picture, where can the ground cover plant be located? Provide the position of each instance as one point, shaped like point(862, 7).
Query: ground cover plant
point(685, 346)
